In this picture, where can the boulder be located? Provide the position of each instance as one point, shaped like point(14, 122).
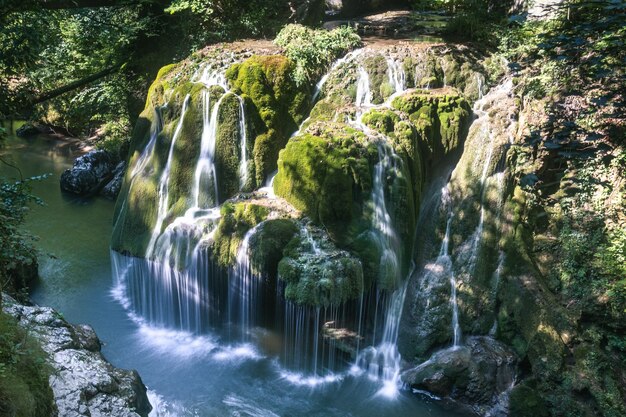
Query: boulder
point(27, 130)
point(478, 375)
point(89, 173)
point(84, 384)
point(112, 189)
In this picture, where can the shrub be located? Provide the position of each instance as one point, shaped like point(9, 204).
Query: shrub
point(313, 50)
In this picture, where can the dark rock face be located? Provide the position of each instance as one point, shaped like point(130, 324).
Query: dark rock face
point(83, 382)
point(89, 173)
point(112, 189)
point(27, 130)
point(478, 374)
point(352, 8)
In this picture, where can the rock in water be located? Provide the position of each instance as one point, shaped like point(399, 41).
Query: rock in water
point(112, 189)
point(27, 130)
point(478, 374)
point(89, 173)
point(83, 382)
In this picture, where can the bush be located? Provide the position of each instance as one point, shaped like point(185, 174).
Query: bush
point(313, 51)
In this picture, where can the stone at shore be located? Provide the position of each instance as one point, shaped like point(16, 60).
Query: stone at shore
point(89, 174)
point(477, 375)
point(83, 382)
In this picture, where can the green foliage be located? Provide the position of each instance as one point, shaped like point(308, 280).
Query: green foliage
point(24, 373)
point(16, 249)
point(211, 20)
point(314, 50)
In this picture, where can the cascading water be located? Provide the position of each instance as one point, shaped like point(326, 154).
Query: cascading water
point(243, 289)
point(243, 144)
point(396, 74)
point(363, 92)
point(163, 189)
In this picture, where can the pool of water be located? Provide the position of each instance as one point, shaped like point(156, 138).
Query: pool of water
point(187, 375)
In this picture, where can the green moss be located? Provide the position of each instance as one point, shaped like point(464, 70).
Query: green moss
point(280, 104)
point(382, 120)
point(24, 373)
point(311, 279)
point(228, 147)
point(268, 244)
point(376, 67)
point(236, 220)
point(326, 178)
point(526, 402)
point(441, 120)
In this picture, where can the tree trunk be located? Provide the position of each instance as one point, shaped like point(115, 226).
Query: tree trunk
point(74, 85)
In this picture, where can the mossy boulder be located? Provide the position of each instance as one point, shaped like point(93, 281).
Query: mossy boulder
point(329, 278)
point(235, 221)
point(327, 177)
point(277, 100)
point(268, 244)
point(441, 119)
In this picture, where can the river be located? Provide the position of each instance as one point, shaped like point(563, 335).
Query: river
point(186, 375)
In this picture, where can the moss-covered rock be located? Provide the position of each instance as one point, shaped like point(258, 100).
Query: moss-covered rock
point(236, 220)
point(280, 104)
point(328, 177)
point(268, 244)
point(319, 277)
point(441, 119)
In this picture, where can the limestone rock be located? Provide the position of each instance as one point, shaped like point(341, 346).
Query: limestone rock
point(477, 374)
point(89, 173)
point(83, 382)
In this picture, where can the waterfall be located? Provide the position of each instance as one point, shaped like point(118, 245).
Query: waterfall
point(148, 152)
point(444, 256)
point(383, 361)
point(397, 77)
point(205, 166)
point(163, 189)
point(306, 233)
point(243, 165)
point(363, 92)
point(381, 221)
point(243, 290)
point(320, 85)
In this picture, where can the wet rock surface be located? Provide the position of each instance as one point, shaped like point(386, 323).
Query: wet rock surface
point(478, 374)
point(83, 382)
point(89, 174)
point(112, 189)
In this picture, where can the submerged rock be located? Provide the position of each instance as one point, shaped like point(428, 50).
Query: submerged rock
point(112, 189)
point(477, 375)
point(89, 173)
point(83, 382)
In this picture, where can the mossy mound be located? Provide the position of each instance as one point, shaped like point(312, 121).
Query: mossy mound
point(277, 104)
point(328, 277)
point(268, 244)
point(236, 220)
point(327, 177)
point(441, 119)
point(273, 105)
